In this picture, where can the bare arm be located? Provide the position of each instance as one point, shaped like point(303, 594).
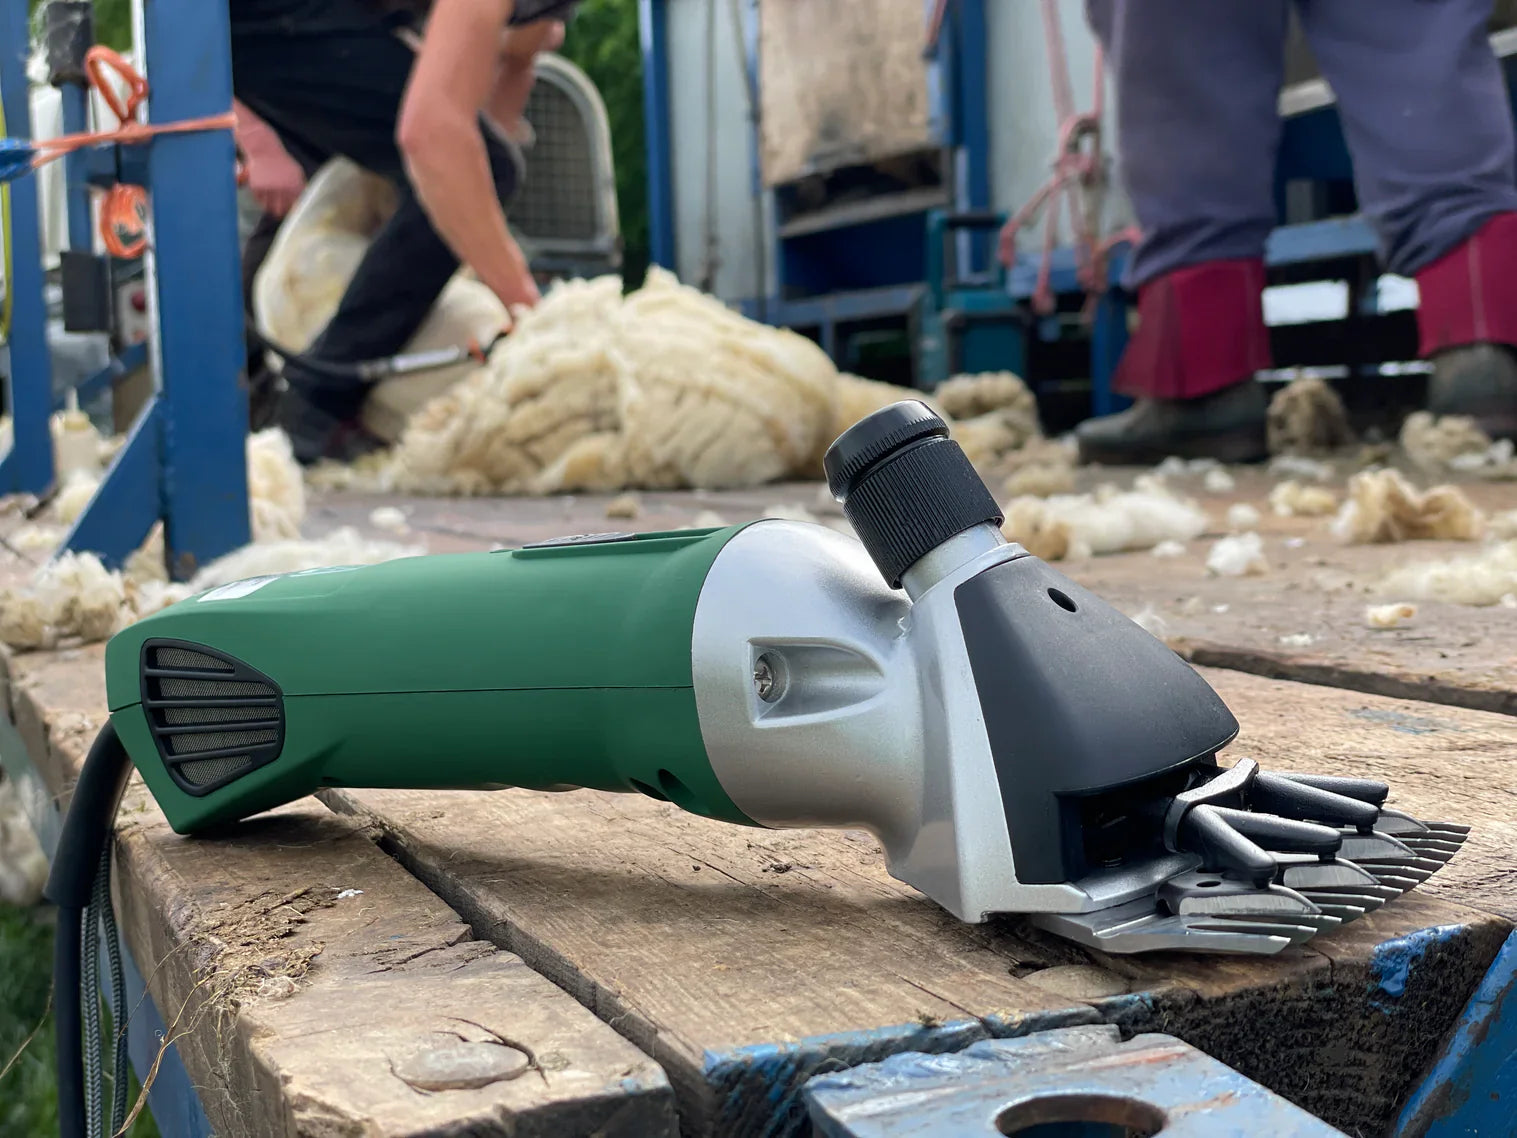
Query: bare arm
point(275, 178)
point(440, 139)
point(516, 73)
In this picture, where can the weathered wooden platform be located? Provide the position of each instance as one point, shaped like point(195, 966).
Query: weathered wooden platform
point(656, 962)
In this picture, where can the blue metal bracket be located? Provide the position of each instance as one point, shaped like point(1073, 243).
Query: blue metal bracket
point(1472, 1088)
point(1073, 1080)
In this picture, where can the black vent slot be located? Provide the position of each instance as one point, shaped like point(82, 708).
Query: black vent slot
point(213, 718)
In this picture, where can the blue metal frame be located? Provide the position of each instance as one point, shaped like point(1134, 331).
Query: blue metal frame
point(81, 237)
point(28, 467)
point(184, 459)
point(653, 28)
point(969, 127)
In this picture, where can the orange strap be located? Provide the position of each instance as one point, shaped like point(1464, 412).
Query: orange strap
point(123, 216)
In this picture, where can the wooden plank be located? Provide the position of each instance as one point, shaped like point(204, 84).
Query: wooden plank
point(1319, 588)
point(746, 960)
point(839, 84)
point(301, 970)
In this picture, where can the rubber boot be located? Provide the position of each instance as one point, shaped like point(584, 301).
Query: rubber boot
point(1227, 425)
point(1467, 326)
point(1189, 367)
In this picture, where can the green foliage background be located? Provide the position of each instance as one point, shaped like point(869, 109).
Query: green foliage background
point(603, 40)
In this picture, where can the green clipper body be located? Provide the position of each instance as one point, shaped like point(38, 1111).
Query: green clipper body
point(1016, 744)
point(557, 665)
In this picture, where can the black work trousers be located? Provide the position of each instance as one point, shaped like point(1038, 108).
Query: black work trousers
point(334, 87)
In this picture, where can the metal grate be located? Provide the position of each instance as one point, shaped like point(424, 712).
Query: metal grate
point(212, 717)
point(558, 197)
point(187, 716)
point(205, 772)
point(220, 741)
point(184, 658)
point(173, 687)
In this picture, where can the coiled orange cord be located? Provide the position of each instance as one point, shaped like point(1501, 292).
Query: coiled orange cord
point(123, 214)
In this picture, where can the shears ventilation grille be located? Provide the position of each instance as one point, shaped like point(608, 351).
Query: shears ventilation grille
point(213, 718)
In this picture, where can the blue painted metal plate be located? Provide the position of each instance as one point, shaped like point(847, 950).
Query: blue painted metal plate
point(1471, 1091)
point(1069, 1081)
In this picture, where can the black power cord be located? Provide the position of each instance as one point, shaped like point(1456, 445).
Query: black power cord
point(371, 371)
point(82, 855)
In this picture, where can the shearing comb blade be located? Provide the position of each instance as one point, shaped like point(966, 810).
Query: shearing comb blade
point(1282, 858)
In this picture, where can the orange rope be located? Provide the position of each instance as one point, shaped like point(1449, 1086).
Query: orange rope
point(123, 216)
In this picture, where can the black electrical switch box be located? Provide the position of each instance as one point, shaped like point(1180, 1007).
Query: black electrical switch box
point(86, 281)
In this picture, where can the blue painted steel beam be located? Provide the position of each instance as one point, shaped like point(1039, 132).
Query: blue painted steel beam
point(81, 234)
point(971, 127)
point(28, 467)
point(1472, 1088)
point(653, 18)
point(198, 268)
point(196, 477)
point(129, 499)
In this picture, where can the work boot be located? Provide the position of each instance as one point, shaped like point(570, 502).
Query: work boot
point(1478, 380)
point(1227, 425)
point(318, 432)
point(1466, 318)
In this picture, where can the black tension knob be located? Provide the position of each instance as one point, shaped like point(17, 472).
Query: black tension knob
point(905, 486)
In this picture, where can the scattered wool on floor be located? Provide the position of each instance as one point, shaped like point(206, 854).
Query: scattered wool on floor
point(1041, 468)
point(1218, 481)
point(73, 496)
point(1242, 516)
point(389, 518)
point(1383, 506)
point(1292, 499)
point(1076, 526)
point(1477, 579)
point(1433, 443)
point(1150, 621)
point(624, 506)
point(1388, 616)
point(1241, 555)
point(1297, 466)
